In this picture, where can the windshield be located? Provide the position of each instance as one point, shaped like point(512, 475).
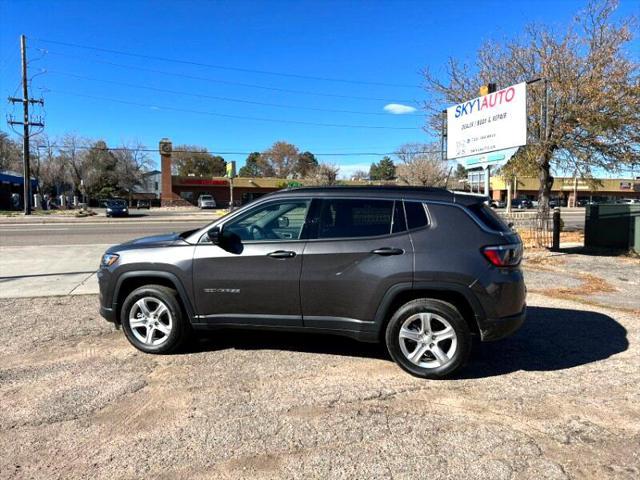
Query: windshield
point(117, 203)
point(206, 197)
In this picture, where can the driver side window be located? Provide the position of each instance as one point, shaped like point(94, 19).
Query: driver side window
point(271, 222)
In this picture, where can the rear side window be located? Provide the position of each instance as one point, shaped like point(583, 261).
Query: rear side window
point(348, 218)
point(399, 222)
point(416, 215)
point(488, 217)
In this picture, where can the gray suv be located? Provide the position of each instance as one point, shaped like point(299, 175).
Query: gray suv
point(423, 270)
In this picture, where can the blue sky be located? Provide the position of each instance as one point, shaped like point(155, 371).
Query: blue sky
point(234, 44)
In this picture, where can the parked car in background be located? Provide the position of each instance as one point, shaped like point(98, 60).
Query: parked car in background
point(498, 204)
point(117, 208)
point(557, 202)
point(423, 270)
point(143, 204)
point(629, 201)
point(206, 201)
point(521, 204)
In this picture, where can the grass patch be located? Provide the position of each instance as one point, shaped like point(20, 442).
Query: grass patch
point(590, 285)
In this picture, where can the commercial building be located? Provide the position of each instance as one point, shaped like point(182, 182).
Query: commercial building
point(179, 190)
point(149, 188)
point(11, 190)
point(567, 190)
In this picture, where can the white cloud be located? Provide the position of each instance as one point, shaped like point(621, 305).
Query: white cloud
point(398, 109)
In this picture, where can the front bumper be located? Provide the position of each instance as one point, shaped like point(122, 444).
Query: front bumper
point(108, 314)
point(106, 284)
point(498, 328)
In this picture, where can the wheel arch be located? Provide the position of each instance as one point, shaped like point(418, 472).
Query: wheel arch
point(458, 295)
point(129, 281)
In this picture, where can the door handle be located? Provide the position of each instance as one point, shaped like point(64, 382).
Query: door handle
point(386, 251)
point(282, 254)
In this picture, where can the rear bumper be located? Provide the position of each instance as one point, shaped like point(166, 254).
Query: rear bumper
point(498, 328)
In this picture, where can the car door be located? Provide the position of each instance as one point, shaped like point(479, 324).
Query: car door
point(253, 277)
point(356, 250)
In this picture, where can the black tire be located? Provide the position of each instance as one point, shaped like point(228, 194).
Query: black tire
point(439, 310)
point(180, 326)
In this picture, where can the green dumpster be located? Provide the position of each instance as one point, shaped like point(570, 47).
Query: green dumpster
point(613, 226)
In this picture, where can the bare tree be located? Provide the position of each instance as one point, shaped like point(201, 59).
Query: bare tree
point(73, 153)
point(325, 174)
point(47, 167)
point(281, 160)
point(594, 94)
point(420, 164)
point(10, 153)
point(132, 161)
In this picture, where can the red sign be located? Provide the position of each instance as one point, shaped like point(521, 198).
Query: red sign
point(200, 181)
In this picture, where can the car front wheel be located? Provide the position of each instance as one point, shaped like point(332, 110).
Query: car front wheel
point(428, 338)
point(153, 321)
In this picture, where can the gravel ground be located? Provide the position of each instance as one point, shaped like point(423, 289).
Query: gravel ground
point(599, 280)
point(560, 399)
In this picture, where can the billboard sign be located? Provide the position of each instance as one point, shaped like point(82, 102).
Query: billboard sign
point(496, 121)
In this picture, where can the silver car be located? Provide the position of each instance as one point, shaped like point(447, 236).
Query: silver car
point(206, 201)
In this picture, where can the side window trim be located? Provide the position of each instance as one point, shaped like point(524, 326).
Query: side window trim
point(398, 205)
point(427, 214)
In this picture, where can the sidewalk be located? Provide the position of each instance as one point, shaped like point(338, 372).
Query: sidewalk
point(37, 271)
point(135, 217)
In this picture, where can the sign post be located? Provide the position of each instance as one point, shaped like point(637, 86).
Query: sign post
point(230, 174)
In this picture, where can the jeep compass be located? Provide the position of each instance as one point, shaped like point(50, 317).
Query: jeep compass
point(423, 270)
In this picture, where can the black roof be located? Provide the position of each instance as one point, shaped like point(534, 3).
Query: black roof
point(419, 193)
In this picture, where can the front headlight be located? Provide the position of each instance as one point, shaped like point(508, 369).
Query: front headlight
point(109, 259)
point(108, 209)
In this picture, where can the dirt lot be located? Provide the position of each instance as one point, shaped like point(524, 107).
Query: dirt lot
point(560, 399)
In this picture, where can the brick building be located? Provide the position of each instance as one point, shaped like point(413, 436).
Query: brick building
point(176, 190)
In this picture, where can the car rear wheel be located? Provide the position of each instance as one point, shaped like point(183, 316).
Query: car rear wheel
point(428, 338)
point(153, 321)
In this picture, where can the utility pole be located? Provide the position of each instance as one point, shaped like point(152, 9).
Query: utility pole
point(26, 123)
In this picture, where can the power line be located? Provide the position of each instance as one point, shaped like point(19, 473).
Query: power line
point(156, 150)
point(215, 97)
point(225, 67)
point(229, 82)
point(225, 115)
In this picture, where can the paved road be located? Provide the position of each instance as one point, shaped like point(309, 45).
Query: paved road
point(61, 258)
point(73, 233)
point(573, 217)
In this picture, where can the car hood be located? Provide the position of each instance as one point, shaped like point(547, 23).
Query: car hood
point(151, 241)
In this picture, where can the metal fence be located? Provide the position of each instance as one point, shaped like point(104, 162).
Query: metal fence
point(536, 230)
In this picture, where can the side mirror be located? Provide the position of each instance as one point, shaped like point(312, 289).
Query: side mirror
point(215, 235)
point(283, 222)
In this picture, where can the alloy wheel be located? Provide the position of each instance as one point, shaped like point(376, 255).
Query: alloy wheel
point(428, 340)
point(150, 321)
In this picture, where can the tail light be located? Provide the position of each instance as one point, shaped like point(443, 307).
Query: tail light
point(504, 255)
